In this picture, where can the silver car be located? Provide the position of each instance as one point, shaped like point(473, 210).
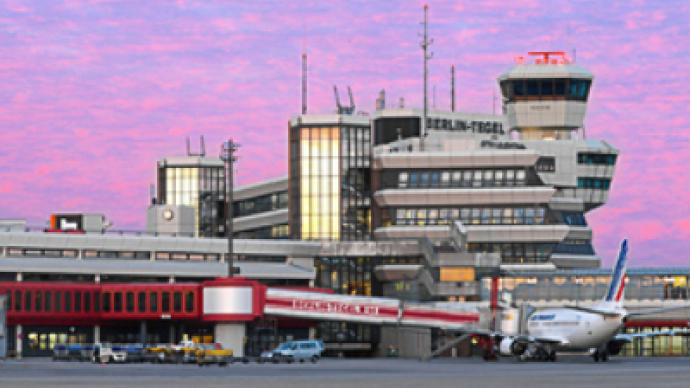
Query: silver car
point(292, 351)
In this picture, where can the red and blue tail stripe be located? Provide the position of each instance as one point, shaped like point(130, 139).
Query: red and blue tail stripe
point(615, 292)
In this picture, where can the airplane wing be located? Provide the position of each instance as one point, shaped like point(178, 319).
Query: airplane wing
point(542, 340)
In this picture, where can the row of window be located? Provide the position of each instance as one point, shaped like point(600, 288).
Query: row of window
point(263, 203)
point(546, 88)
point(605, 159)
point(266, 232)
point(462, 178)
point(471, 216)
point(546, 164)
point(515, 252)
point(125, 255)
point(593, 183)
point(44, 301)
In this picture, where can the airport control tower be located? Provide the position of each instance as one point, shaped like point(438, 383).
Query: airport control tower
point(545, 100)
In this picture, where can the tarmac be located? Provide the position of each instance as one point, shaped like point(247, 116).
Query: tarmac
point(473, 372)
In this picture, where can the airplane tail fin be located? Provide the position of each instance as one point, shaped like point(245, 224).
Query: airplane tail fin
point(614, 294)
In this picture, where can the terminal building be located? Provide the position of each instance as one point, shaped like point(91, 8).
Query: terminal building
point(448, 210)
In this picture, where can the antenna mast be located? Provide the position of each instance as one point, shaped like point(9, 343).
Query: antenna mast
point(304, 82)
point(425, 43)
point(452, 88)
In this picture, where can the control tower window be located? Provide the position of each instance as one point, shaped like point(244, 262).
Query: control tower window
point(546, 88)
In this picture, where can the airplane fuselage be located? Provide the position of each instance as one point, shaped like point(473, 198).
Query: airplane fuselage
point(578, 329)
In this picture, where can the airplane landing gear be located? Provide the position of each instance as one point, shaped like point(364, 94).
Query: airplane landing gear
point(600, 355)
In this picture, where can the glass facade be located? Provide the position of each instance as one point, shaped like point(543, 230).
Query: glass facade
point(267, 232)
point(329, 182)
point(351, 276)
point(200, 186)
point(515, 253)
point(259, 204)
point(465, 178)
point(468, 215)
point(594, 183)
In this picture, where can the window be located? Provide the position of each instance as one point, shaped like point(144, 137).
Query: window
point(177, 301)
point(47, 301)
point(547, 87)
point(141, 302)
point(117, 302)
point(38, 305)
point(17, 301)
point(402, 179)
point(129, 302)
point(166, 302)
point(68, 301)
point(97, 302)
point(153, 302)
point(27, 301)
point(58, 301)
point(87, 302)
point(77, 301)
point(532, 87)
point(189, 302)
point(546, 164)
point(106, 302)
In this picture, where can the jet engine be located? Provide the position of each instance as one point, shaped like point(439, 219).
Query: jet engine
point(510, 347)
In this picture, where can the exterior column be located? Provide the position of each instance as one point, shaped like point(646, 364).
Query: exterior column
point(172, 333)
point(171, 279)
point(18, 342)
point(231, 336)
point(142, 332)
point(312, 333)
point(20, 276)
point(96, 334)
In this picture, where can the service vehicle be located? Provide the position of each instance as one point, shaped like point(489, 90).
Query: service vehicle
point(291, 351)
point(207, 354)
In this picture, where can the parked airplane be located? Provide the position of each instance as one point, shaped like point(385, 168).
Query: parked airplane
point(580, 329)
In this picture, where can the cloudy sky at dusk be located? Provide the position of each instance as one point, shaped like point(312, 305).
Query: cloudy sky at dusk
point(94, 92)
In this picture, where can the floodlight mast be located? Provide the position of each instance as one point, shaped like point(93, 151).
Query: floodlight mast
point(424, 44)
point(228, 156)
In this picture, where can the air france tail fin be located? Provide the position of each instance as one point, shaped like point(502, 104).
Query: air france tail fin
point(615, 292)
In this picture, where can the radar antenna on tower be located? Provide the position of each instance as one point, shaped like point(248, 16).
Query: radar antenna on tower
point(424, 44)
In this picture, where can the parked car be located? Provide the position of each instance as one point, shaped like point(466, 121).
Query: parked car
point(291, 351)
point(105, 353)
point(60, 352)
point(135, 352)
point(207, 354)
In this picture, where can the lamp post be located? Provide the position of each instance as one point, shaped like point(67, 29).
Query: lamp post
point(228, 156)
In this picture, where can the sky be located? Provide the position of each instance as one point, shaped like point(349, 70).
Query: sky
point(92, 93)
